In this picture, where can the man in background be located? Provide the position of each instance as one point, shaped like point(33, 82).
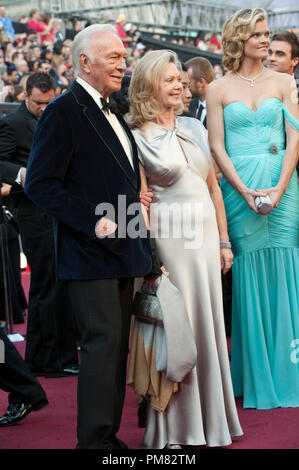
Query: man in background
point(6, 23)
point(284, 55)
point(284, 52)
point(50, 341)
point(201, 73)
point(186, 92)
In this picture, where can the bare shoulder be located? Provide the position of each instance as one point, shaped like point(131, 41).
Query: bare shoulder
point(216, 89)
point(282, 79)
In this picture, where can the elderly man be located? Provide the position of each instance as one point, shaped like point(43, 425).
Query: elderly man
point(83, 162)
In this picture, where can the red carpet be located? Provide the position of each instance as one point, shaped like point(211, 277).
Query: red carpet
point(54, 427)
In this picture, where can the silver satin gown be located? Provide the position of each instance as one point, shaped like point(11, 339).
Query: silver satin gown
point(177, 164)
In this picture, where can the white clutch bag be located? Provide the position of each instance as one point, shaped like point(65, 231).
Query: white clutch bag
point(263, 205)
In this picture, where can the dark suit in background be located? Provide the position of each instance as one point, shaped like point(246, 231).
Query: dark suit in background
point(16, 378)
point(18, 299)
point(197, 112)
point(50, 345)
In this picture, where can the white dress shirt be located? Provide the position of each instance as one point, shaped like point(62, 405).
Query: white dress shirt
point(111, 117)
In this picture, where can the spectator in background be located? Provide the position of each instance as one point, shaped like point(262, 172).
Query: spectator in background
point(35, 23)
point(6, 23)
point(201, 42)
point(186, 92)
point(16, 55)
point(121, 96)
point(21, 68)
point(214, 41)
point(120, 25)
point(57, 57)
point(11, 77)
point(47, 54)
point(16, 95)
point(60, 78)
point(66, 51)
point(31, 36)
point(131, 63)
point(201, 73)
point(1, 56)
point(48, 24)
point(283, 55)
point(77, 27)
point(43, 28)
point(24, 19)
point(44, 66)
point(35, 52)
point(59, 36)
point(33, 65)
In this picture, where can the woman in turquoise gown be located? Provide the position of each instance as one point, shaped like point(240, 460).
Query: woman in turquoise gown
point(253, 133)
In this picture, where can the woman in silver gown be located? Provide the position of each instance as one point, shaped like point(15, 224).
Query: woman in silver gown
point(176, 165)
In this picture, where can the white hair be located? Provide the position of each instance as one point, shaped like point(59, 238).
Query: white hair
point(83, 41)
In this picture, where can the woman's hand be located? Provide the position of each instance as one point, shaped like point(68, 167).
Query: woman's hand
point(249, 195)
point(155, 282)
point(146, 198)
point(226, 258)
point(275, 194)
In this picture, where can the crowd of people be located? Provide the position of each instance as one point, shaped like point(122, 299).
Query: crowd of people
point(185, 136)
point(46, 46)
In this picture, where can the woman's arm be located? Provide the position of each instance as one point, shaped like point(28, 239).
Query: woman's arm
point(290, 159)
point(226, 254)
point(144, 191)
point(216, 142)
point(154, 276)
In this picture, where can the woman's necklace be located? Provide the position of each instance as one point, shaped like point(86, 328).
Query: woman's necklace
point(251, 80)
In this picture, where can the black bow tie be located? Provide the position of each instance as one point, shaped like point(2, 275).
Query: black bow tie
point(109, 106)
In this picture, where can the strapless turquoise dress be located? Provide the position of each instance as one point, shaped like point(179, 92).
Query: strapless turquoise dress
point(265, 303)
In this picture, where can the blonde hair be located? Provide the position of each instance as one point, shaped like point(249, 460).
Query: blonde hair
point(236, 30)
point(144, 86)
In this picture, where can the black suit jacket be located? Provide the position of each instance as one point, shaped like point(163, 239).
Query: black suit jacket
point(16, 136)
point(192, 109)
point(76, 163)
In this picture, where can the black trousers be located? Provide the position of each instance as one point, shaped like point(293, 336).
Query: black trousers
point(103, 312)
point(18, 299)
point(51, 338)
point(15, 376)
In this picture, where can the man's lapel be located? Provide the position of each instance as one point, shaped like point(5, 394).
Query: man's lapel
point(106, 133)
point(133, 145)
point(193, 106)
